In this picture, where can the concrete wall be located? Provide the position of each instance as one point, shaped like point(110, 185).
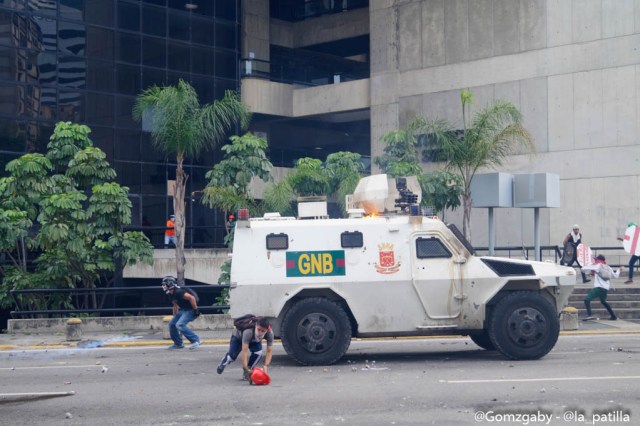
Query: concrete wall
point(110, 324)
point(202, 265)
point(571, 67)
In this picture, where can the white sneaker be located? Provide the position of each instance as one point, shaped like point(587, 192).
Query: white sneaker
point(195, 344)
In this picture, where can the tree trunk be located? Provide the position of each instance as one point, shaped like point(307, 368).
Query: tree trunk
point(178, 210)
point(466, 217)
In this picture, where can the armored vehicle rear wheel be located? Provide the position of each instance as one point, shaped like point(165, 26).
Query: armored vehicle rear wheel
point(483, 340)
point(524, 325)
point(316, 331)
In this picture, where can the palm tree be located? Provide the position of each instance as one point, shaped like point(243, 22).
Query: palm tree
point(181, 127)
point(494, 134)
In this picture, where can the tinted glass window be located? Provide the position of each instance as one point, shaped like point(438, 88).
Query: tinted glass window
point(71, 38)
point(100, 43)
point(154, 52)
point(100, 75)
point(38, 135)
point(202, 61)
point(204, 87)
point(154, 179)
point(128, 174)
point(351, 239)
point(128, 16)
point(179, 57)
point(277, 242)
point(72, 9)
point(72, 71)
point(153, 77)
point(46, 30)
point(178, 27)
point(128, 48)
point(431, 248)
point(226, 65)
point(225, 35)
point(154, 21)
point(124, 108)
point(43, 7)
point(226, 10)
point(100, 109)
point(12, 135)
point(127, 145)
point(202, 31)
point(99, 12)
point(128, 79)
point(70, 106)
point(102, 137)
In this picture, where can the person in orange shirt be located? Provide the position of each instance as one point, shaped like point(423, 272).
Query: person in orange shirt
point(170, 232)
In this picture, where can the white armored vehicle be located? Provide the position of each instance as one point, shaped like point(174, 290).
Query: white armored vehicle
point(384, 272)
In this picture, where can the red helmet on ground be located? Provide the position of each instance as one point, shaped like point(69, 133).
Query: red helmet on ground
point(259, 377)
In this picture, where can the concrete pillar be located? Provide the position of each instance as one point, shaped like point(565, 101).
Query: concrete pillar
point(74, 329)
point(569, 318)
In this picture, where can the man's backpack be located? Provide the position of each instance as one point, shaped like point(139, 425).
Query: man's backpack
point(244, 322)
point(191, 292)
point(605, 272)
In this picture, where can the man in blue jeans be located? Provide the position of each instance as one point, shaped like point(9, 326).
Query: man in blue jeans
point(185, 310)
point(249, 340)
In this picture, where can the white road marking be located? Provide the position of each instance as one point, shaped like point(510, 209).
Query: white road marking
point(50, 366)
point(542, 379)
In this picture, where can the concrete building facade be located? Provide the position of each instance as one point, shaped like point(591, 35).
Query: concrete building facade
point(572, 67)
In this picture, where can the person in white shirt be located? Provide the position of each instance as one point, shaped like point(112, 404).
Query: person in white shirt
point(600, 286)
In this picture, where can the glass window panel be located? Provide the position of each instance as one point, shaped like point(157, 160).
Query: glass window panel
point(102, 137)
point(100, 109)
point(156, 2)
point(226, 10)
point(99, 12)
point(154, 179)
point(43, 67)
point(225, 35)
point(48, 102)
point(72, 72)
point(128, 16)
point(38, 134)
point(154, 213)
point(154, 52)
point(154, 21)
point(127, 145)
point(128, 79)
point(135, 209)
point(178, 27)
point(72, 9)
point(42, 33)
point(15, 5)
point(128, 48)
point(179, 57)
point(149, 152)
point(43, 7)
point(202, 31)
point(153, 77)
point(226, 65)
point(13, 136)
point(124, 108)
point(128, 175)
point(222, 85)
point(71, 38)
point(70, 106)
point(100, 76)
point(16, 102)
point(204, 87)
point(202, 61)
point(174, 77)
point(100, 43)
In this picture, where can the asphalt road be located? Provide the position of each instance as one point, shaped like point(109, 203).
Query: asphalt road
point(379, 382)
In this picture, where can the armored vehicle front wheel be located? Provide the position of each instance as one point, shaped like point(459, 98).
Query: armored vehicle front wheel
point(524, 325)
point(316, 331)
point(483, 340)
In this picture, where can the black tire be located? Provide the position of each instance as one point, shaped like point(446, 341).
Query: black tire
point(316, 331)
point(524, 325)
point(483, 340)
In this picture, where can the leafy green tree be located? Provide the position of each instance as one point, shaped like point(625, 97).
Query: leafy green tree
point(73, 230)
point(181, 127)
point(338, 177)
point(403, 149)
point(487, 139)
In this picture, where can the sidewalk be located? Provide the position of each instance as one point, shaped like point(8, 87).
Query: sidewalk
point(210, 337)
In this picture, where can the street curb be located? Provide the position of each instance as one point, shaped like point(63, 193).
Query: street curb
point(74, 345)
